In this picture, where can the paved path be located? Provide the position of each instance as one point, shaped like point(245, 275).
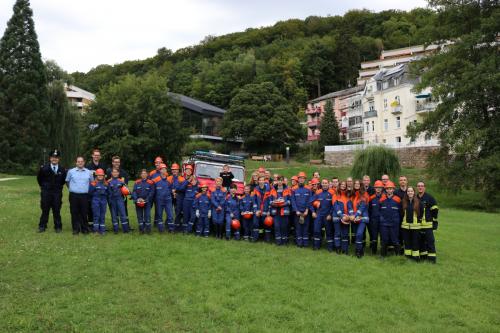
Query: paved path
point(3, 179)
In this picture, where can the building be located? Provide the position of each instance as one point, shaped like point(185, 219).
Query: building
point(341, 107)
point(392, 58)
point(389, 106)
point(203, 119)
point(79, 97)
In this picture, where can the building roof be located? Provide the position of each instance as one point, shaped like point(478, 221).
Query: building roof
point(339, 93)
point(75, 92)
point(385, 74)
point(196, 105)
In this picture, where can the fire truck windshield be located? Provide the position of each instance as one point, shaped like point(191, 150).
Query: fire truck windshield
point(213, 170)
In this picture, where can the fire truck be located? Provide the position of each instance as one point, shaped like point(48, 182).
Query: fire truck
point(208, 165)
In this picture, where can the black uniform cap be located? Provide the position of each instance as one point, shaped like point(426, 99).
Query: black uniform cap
point(55, 153)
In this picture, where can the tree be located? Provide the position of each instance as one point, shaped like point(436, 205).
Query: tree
point(329, 128)
point(375, 161)
point(263, 118)
point(465, 79)
point(23, 93)
point(63, 123)
point(135, 119)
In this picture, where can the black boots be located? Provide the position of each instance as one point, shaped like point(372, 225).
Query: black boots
point(383, 250)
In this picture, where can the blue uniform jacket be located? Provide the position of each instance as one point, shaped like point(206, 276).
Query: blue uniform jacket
point(203, 204)
point(390, 211)
point(301, 198)
point(143, 189)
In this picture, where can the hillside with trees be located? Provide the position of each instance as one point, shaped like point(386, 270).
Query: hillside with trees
point(302, 58)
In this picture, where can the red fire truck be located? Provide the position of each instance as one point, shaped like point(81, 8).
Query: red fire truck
point(208, 165)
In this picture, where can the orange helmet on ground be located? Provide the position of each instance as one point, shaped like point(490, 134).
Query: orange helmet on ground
point(378, 183)
point(302, 174)
point(268, 221)
point(390, 184)
point(175, 166)
point(125, 191)
point(235, 224)
point(99, 172)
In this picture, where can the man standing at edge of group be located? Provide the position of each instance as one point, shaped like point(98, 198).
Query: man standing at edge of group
point(92, 166)
point(78, 180)
point(51, 177)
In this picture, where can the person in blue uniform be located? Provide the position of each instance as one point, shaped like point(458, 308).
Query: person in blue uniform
point(218, 200)
point(99, 194)
point(232, 211)
point(118, 214)
point(202, 206)
point(143, 195)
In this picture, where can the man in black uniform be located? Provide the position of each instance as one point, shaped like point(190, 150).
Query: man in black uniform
point(94, 164)
point(429, 223)
point(51, 178)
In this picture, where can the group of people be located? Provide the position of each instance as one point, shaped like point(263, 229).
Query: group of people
point(315, 211)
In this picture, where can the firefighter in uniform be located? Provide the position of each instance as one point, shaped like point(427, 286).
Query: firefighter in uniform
point(429, 223)
point(51, 179)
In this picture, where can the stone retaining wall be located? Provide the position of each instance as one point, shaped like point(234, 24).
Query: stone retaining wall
point(415, 157)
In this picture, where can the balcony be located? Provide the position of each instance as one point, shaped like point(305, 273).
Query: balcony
point(312, 123)
point(312, 137)
point(313, 111)
point(426, 107)
point(397, 109)
point(370, 114)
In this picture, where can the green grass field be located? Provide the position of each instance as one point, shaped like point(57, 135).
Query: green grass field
point(138, 283)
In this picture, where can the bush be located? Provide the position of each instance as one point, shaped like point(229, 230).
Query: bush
point(309, 151)
point(193, 145)
point(376, 161)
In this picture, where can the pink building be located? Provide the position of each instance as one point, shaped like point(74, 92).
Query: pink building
point(316, 107)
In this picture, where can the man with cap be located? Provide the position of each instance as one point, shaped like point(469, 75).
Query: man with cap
point(51, 178)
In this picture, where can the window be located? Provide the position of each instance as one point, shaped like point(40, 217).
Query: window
point(371, 106)
point(397, 99)
point(385, 103)
point(373, 125)
point(398, 139)
point(384, 141)
point(385, 85)
point(386, 124)
point(398, 122)
point(368, 126)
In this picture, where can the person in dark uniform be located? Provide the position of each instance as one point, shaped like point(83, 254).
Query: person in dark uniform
point(51, 178)
point(93, 165)
point(116, 164)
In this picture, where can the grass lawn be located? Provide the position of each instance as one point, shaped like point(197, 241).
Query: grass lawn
point(138, 283)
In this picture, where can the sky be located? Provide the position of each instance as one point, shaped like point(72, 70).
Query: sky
point(81, 34)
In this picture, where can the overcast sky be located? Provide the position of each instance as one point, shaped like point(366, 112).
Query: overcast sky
point(81, 34)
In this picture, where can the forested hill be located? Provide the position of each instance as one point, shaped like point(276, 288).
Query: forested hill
point(303, 58)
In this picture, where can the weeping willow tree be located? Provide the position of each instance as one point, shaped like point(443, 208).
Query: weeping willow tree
point(376, 161)
point(63, 127)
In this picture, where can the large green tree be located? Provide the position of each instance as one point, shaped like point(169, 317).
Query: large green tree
point(329, 128)
point(135, 119)
point(23, 93)
point(465, 79)
point(263, 118)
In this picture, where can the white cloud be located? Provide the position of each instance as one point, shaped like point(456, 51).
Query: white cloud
point(81, 34)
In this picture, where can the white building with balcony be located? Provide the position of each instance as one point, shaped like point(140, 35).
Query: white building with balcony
point(389, 106)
